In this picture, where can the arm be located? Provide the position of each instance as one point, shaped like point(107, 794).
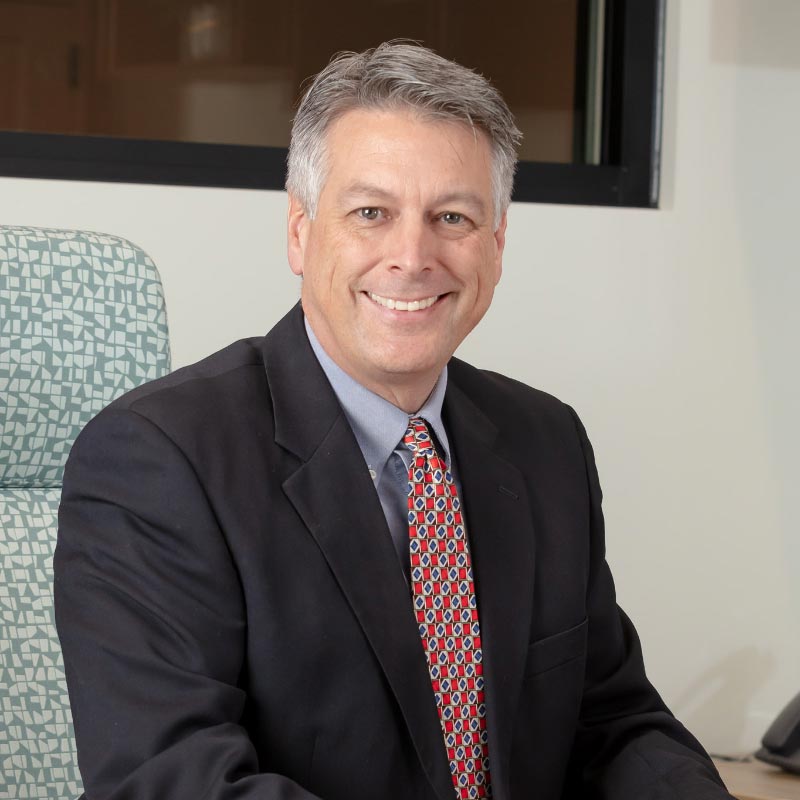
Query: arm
point(152, 623)
point(628, 744)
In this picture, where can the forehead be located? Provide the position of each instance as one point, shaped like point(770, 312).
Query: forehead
point(404, 147)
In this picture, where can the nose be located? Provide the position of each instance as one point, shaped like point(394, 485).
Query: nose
point(411, 245)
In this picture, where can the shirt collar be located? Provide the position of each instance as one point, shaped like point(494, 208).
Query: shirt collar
point(379, 425)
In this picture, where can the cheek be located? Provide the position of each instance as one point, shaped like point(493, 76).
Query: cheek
point(474, 259)
point(484, 272)
point(347, 257)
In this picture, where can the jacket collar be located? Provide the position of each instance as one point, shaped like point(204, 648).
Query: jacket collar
point(304, 405)
point(501, 537)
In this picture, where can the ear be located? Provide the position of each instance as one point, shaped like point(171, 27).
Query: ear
point(297, 235)
point(500, 243)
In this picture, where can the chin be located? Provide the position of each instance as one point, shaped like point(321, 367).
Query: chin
point(406, 363)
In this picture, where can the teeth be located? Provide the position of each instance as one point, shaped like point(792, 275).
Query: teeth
point(403, 305)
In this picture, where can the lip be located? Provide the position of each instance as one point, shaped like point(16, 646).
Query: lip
point(405, 314)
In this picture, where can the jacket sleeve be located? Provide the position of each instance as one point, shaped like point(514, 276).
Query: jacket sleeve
point(628, 745)
point(151, 619)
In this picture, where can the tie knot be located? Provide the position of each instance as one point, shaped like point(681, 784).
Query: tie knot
point(418, 437)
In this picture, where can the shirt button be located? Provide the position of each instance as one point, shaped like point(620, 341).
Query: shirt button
point(373, 474)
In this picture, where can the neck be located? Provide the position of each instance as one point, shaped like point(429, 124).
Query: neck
point(406, 391)
point(409, 399)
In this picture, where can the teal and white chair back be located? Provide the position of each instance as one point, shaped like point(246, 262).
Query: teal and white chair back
point(82, 320)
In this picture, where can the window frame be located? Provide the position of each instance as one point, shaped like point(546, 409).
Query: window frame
point(629, 176)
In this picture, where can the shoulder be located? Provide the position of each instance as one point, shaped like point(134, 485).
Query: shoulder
point(236, 369)
point(505, 399)
point(200, 406)
point(533, 428)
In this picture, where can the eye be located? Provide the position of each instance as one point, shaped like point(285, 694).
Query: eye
point(452, 218)
point(369, 213)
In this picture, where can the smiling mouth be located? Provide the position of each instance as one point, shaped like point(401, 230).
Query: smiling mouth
point(404, 305)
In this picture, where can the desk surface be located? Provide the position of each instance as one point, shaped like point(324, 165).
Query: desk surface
point(754, 780)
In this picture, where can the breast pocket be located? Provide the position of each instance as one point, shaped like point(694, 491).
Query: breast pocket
point(553, 651)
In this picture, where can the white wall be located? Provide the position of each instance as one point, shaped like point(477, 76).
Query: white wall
point(672, 332)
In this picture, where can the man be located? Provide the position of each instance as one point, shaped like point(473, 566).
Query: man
point(265, 587)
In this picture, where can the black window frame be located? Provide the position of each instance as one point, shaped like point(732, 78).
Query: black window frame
point(628, 176)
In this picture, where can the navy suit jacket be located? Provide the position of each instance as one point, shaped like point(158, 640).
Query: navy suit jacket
point(235, 623)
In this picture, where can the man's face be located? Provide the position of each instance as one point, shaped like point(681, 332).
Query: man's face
point(401, 260)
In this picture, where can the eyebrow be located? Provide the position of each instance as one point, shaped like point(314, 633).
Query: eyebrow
point(369, 189)
point(373, 190)
point(470, 198)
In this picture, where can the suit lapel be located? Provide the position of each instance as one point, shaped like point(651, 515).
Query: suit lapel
point(499, 528)
point(335, 498)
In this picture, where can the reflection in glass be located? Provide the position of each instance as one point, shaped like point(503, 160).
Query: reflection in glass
point(230, 71)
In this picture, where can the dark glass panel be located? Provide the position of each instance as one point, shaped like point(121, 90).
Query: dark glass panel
point(229, 71)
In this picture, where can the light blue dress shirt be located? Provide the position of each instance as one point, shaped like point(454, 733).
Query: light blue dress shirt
point(379, 428)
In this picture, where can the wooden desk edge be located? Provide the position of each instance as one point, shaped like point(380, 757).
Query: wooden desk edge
point(755, 780)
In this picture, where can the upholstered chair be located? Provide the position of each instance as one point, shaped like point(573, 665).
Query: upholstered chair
point(82, 320)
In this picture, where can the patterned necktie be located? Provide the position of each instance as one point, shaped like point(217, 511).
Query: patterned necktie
point(447, 613)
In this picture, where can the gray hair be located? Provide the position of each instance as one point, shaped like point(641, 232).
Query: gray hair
point(392, 76)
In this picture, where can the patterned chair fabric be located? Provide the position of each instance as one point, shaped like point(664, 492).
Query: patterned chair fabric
point(82, 320)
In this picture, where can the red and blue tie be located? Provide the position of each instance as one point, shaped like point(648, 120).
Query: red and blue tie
point(447, 612)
